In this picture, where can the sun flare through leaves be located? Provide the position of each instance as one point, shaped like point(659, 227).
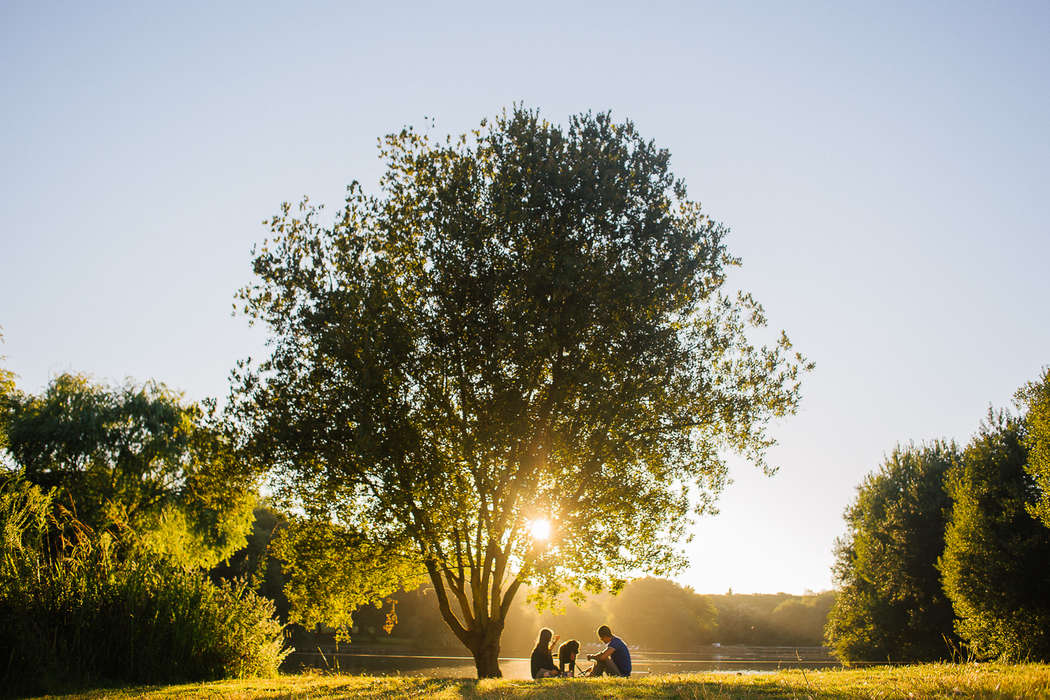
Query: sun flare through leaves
point(540, 529)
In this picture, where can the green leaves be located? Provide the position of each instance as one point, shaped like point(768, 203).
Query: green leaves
point(332, 570)
point(996, 553)
point(136, 454)
point(80, 606)
point(936, 526)
point(1034, 399)
point(890, 604)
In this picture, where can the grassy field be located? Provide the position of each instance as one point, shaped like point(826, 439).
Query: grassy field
point(927, 681)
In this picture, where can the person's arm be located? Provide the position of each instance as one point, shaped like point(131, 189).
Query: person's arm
point(602, 655)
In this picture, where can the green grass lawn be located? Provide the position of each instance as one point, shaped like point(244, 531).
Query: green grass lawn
point(926, 681)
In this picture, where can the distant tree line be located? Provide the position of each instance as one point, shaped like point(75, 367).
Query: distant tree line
point(652, 613)
point(772, 619)
point(947, 553)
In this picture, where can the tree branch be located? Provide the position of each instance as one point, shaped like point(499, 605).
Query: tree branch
point(447, 614)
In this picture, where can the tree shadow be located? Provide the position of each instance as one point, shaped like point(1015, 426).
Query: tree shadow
point(645, 687)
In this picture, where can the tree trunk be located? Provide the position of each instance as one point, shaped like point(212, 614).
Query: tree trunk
point(486, 658)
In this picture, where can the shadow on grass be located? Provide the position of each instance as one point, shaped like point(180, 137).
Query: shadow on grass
point(940, 681)
point(389, 688)
point(654, 687)
point(578, 689)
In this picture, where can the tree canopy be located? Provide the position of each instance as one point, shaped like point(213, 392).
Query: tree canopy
point(135, 454)
point(527, 323)
point(994, 565)
point(890, 604)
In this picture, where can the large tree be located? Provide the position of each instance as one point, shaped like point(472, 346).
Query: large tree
point(527, 324)
point(135, 454)
point(890, 604)
point(996, 563)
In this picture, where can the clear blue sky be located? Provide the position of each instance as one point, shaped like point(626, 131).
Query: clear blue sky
point(884, 167)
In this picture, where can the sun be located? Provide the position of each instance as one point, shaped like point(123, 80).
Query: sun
point(540, 529)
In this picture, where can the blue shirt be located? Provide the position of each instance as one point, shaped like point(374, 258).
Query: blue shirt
point(620, 656)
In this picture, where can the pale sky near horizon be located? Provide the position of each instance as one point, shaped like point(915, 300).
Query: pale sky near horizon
point(884, 168)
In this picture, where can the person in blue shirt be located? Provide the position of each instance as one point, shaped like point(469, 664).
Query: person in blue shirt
point(614, 659)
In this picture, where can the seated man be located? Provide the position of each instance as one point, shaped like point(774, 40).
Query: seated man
point(614, 659)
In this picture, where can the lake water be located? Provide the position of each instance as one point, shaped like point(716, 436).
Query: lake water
point(735, 659)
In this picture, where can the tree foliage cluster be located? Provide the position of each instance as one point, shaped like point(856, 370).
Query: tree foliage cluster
point(891, 603)
point(136, 454)
point(1035, 397)
point(947, 550)
point(996, 562)
point(256, 564)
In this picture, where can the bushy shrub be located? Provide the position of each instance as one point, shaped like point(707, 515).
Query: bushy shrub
point(79, 608)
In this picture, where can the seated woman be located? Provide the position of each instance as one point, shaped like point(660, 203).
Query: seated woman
point(542, 661)
point(567, 657)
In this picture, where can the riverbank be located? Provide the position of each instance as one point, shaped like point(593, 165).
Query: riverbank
point(984, 681)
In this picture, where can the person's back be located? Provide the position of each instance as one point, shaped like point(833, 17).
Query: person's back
point(621, 655)
point(614, 659)
point(542, 662)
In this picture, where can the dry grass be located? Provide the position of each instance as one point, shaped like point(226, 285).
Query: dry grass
point(905, 682)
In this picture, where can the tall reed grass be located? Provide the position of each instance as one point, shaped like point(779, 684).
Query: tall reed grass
point(79, 608)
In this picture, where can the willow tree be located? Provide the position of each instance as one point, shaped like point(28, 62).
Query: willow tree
point(136, 455)
point(527, 324)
